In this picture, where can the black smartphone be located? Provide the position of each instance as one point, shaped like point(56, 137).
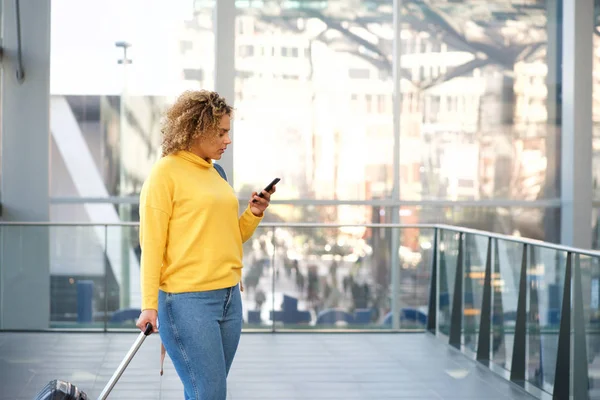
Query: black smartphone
point(269, 187)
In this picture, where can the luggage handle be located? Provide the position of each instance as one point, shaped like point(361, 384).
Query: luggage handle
point(126, 360)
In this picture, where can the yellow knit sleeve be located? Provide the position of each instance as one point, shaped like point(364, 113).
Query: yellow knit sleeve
point(248, 224)
point(156, 202)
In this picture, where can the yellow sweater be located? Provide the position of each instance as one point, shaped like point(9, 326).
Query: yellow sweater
point(190, 233)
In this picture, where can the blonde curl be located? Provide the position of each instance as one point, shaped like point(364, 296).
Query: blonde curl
point(195, 114)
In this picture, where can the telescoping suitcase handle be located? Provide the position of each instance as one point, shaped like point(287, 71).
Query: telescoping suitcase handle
point(136, 345)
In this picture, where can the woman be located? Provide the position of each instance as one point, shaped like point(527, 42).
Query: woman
point(191, 238)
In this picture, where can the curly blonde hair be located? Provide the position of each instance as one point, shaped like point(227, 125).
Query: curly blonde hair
point(195, 114)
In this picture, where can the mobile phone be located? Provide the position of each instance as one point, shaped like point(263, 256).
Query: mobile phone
point(268, 187)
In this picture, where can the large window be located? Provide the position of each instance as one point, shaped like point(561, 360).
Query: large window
point(313, 94)
point(314, 99)
point(461, 127)
point(596, 130)
point(116, 66)
point(479, 113)
point(478, 110)
point(479, 93)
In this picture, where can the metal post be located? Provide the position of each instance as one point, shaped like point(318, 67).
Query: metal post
point(443, 293)
point(576, 138)
point(124, 209)
point(106, 267)
point(468, 323)
point(274, 242)
point(483, 342)
point(498, 349)
point(581, 383)
point(562, 376)
point(396, 95)
point(433, 287)
point(457, 298)
point(224, 28)
point(551, 187)
point(396, 75)
point(534, 344)
point(395, 270)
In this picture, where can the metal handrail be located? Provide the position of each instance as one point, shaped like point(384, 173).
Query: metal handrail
point(532, 242)
point(453, 228)
point(482, 203)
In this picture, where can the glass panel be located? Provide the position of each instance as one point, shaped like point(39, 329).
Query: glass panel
point(24, 277)
point(485, 127)
point(79, 275)
point(590, 280)
point(53, 277)
point(317, 88)
point(416, 257)
point(545, 285)
point(507, 266)
point(122, 252)
point(110, 83)
point(448, 258)
point(341, 277)
point(261, 254)
point(123, 256)
point(475, 253)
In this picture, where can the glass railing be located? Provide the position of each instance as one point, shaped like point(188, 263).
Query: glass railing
point(500, 300)
point(296, 276)
point(496, 298)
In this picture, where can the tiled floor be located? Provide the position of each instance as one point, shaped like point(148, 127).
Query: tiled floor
point(267, 366)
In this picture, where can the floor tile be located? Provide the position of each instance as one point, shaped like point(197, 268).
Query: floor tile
point(267, 366)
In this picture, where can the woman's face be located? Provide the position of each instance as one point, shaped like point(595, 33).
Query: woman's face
point(214, 147)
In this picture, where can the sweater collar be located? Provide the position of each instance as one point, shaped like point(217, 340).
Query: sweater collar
point(193, 158)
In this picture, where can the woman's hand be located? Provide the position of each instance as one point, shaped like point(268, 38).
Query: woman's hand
point(145, 317)
point(258, 205)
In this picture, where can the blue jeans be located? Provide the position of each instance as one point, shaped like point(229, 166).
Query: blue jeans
point(201, 332)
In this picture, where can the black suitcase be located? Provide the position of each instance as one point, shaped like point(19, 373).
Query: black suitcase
point(62, 390)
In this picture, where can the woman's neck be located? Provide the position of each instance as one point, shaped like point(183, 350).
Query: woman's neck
point(195, 150)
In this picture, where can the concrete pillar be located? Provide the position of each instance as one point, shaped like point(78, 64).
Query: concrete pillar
point(24, 162)
point(576, 138)
point(224, 27)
